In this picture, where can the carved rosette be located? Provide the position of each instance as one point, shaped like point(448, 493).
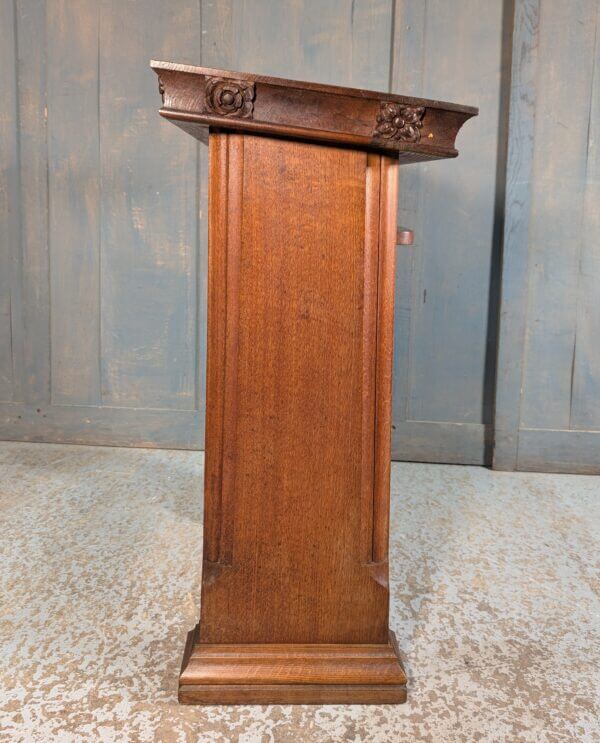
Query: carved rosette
point(397, 121)
point(229, 97)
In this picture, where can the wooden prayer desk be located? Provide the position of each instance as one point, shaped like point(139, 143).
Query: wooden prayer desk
point(302, 235)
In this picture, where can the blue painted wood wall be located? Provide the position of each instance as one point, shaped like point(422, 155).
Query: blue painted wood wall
point(548, 390)
point(103, 217)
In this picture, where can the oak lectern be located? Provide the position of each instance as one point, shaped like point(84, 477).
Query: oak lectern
point(302, 235)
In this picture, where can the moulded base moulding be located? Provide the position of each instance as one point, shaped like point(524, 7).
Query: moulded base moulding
point(291, 674)
point(292, 694)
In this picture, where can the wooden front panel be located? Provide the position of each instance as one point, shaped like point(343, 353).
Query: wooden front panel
point(294, 475)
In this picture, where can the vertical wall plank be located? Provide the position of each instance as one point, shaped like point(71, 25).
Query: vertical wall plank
point(149, 211)
point(341, 41)
point(217, 34)
point(451, 330)
point(74, 200)
point(585, 407)
point(32, 65)
point(566, 43)
point(445, 321)
point(548, 360)
point(515, 255)
point(371, 27)
point(408, 68)
point(9, 208)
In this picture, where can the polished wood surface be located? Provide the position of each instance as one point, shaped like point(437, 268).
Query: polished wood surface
point(298, 430)
point(302, 236)
point(292, 500)
point(288, 673)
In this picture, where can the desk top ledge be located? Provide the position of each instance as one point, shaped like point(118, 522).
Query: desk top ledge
point(415, 129)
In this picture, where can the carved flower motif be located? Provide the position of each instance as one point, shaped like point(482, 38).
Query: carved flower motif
point(396, 121)
point(229, 97)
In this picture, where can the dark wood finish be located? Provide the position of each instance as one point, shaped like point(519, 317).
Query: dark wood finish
point(413, 129)
point(302, 239)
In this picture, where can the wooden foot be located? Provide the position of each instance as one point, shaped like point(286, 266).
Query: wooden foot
point(291, 674)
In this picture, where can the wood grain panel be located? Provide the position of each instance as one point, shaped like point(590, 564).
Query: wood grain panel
point(369, 362)
point(384, 354)
point(144, 349)
point(407, 74)
point(292, 694)
point(448, 356)
point(215, 357)
point(294, 419)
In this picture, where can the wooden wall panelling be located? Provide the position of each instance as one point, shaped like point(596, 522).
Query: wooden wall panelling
point(407, 74)
point(103, 273)
point(548, 420)
point(113, 278)
point(275, 306)
point(515, 253)
point(585, 410)
point(107, 239)
point(444, 360)
point(149, 214)
point(544, 450)
point(10, 356)
point(74, 200)
point(338, 42)
point(32, 64)
point(557, 212)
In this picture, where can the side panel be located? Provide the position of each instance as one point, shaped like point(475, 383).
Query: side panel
point(294, 514)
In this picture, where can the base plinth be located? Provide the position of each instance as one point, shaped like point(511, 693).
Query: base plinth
point(291, 674)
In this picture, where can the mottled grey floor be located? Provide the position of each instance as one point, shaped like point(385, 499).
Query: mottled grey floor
point(494, 602)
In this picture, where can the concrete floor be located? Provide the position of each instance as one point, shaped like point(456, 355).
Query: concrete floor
point(494, 602)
